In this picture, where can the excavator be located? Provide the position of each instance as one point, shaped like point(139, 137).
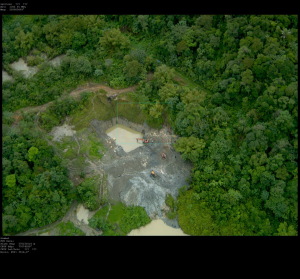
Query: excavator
point(144, 141)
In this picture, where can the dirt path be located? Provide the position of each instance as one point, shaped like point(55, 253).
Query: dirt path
point(51, 226)
point(69, 216)
point(76, 94)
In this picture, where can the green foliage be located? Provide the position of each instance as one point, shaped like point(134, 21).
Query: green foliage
point(32, 152)
point(68, 229)
point(121, 219)
point(61, 108)
point(170, 201)
point(219, 147)
point(80, 65)
point(82, 174)
point(132, 69)
point(7, 117)
point(163, 75)
point(114, 40)
point(284, 230)
point(193, 217)
point(217, 99)
point(79, 39)
point(156, 110)
point(38, 191)
point(116, 213)
point(240, 132)
point(102, 212)
point(133, 217)
point(132, 112)
point(191, 148)
point(96, 149)
point(11, 180)
point(88, 192)
point(168, 91)
point(100, 223)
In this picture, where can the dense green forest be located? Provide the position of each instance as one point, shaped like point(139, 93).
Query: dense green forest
point(236, 114)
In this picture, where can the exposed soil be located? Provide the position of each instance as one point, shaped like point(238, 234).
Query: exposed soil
point(59, 132)
point(129, 177)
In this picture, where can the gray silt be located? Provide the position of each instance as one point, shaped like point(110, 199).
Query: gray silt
point(129, 177)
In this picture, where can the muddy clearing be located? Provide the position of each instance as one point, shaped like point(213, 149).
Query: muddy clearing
point(128, 173)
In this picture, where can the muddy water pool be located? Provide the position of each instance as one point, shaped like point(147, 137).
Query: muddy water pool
point(157, 227)
point(125, 137)
point(82, 214)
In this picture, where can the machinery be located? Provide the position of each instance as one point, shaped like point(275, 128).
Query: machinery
point(144, 140)
point(153, 173)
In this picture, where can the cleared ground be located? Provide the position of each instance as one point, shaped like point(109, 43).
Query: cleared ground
point(85, 148)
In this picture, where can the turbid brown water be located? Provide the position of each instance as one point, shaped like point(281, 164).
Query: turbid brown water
point(82, 214)
point(125, 137)
point(157, 227)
